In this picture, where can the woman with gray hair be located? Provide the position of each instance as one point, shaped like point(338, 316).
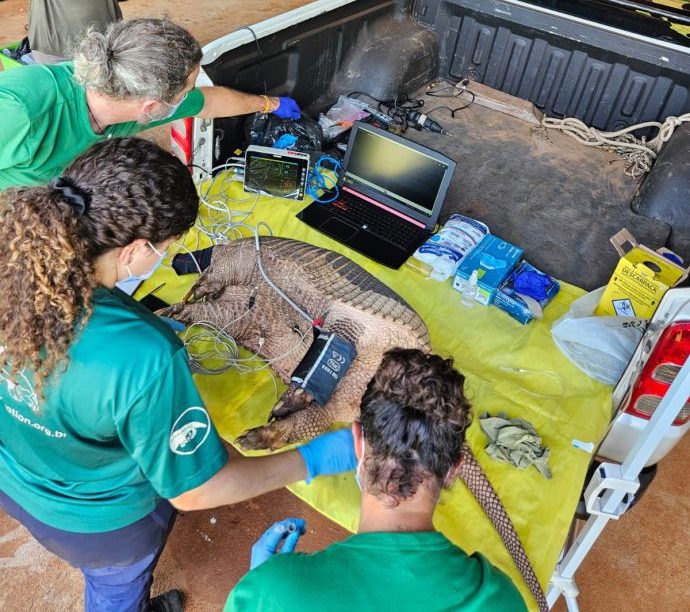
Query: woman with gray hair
point(138, 74)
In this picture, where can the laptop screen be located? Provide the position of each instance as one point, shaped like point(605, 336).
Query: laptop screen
point(409, 176)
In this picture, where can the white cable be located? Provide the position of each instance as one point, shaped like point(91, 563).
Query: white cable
point(184, 248)
point(226, 350)
point(639, 152)
point(271, 284)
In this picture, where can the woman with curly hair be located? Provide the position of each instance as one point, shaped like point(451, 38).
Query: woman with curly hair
point(102, 431)
point(409, 442)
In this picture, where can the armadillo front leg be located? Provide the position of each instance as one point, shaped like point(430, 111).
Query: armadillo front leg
point(477, 482)
point(220, 312)
point(302, 425)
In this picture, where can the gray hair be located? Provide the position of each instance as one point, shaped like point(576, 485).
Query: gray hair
point(140, 58)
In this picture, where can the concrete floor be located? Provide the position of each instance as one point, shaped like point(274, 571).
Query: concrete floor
point(638, 563)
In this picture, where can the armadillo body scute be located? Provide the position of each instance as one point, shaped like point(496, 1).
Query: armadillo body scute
point(349, 301)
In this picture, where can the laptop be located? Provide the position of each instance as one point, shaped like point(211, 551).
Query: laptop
point(391, 195)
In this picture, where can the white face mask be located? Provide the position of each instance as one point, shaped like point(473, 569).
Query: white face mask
point(129, 285)
point(358, 479)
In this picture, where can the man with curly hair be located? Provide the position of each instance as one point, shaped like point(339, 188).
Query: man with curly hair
point(408, 441)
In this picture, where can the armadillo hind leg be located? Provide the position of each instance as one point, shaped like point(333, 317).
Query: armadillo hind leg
point(299, 426)
point(293, 400)
point(477, 482)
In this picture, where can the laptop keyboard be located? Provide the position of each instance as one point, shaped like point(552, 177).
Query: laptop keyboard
point(376, 220)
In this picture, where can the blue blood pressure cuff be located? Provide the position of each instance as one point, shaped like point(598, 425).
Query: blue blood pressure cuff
point(324, 366)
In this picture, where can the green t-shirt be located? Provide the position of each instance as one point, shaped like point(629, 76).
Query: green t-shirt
point(121, 427)
point(44, 123)
point(378, 571)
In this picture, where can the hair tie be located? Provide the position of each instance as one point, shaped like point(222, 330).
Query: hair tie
point(73, 195)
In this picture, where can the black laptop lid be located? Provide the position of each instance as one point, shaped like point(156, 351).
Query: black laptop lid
point(395, 171)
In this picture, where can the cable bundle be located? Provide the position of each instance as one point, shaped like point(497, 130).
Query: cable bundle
point(324, 179)
point(401, 108)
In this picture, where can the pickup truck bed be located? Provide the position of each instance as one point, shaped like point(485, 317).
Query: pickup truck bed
point(538, 188)
point(558, 200)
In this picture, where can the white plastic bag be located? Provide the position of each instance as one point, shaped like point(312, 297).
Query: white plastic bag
point(600, 346)
point(341, 116)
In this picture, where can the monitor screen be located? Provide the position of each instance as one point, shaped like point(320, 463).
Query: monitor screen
point(401, 172)
point(277, 177)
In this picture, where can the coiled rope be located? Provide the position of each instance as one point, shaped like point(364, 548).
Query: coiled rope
point(640, 153)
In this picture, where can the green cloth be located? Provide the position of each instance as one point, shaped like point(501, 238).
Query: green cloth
point(55, 25)
point(44, 123)
point(515, 441)
point(378, 571)
point(120, 428)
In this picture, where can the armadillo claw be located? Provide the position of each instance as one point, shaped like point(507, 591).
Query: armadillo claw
point(293, 400)
point(266, 437)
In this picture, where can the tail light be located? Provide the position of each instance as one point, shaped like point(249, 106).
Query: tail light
point(661, 369)
point(181, 140)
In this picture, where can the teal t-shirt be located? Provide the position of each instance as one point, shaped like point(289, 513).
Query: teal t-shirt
point(120, 428)
point(44, 123)
point(396, 572)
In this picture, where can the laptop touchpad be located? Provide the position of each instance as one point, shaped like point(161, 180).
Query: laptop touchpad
point(338, 229)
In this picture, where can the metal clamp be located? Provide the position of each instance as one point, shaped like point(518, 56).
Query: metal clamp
point(609, 477)
point(565, 585)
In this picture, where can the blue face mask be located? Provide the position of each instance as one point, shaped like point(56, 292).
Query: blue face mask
point(171, 110)
point(358, 479)
point(129, 285)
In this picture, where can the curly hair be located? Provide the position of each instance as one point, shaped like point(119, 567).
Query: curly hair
point(414, 415)
point(147, 58)
point(48, 246)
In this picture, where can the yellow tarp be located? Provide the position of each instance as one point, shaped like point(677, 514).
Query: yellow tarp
point(509, 368)
point(676, 4)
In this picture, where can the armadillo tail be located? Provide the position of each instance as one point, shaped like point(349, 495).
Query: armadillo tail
point(477, 482)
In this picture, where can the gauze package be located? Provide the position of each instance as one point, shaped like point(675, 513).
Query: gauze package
point(444, 250)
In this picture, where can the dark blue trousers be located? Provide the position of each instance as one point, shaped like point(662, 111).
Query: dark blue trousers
point(117, 565)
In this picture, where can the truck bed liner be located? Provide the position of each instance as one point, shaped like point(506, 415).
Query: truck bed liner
point(559, 200)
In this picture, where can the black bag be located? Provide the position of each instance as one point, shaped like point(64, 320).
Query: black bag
point(265, 130)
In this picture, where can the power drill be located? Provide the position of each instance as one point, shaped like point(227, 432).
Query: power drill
point(421, 122)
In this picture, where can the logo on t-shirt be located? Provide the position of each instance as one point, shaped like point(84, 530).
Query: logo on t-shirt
point(19, 387)
point(190, 431)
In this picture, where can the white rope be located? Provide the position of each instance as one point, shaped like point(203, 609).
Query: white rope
point(639, 152)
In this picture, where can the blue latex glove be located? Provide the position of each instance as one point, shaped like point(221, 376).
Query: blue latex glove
point(533, 284)
point(287, 109)
point(330, 453)
point(286, 141)
point(287, 531)
point(176, 325)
